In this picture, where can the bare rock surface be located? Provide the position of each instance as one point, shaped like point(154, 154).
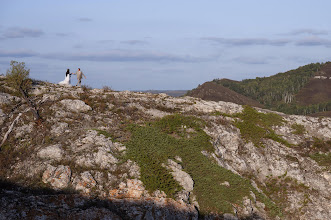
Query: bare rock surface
point(85, 182)
point(58, 177)
point(75, 105)
point(184, 179)
point(81, 147)
point(59, 128)
point(51, 152)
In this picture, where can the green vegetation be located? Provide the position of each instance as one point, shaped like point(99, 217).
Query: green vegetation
point(280, 187)
point(176, 135)
point(322, 159)
point(106, 134)
point(277, 92)
point(292, 108)
point(17, 77)
point(320, 145)
point(255, 126)
point(298, 129)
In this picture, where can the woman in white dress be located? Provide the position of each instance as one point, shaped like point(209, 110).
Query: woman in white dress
point(66, 81)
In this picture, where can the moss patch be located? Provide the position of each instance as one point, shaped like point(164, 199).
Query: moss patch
point(182, 136)
point(255, 126)
point(322, 159)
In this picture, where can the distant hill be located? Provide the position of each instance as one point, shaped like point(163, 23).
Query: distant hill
point(215, 92)
point(318, 88)
point(305, 90)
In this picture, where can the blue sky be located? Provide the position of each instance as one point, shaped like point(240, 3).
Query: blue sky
point(153, 44)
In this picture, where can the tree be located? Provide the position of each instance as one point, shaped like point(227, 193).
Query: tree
point(17, 77)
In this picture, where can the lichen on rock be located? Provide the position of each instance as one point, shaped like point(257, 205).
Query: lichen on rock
point(104, 146)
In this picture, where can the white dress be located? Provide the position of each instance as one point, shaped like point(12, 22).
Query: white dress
point(66, 81)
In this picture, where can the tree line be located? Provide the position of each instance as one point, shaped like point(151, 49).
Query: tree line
point(278, 92)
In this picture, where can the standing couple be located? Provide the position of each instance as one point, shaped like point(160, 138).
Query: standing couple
point(79, 75)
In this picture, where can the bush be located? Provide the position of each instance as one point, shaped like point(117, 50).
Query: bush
point(18, 77)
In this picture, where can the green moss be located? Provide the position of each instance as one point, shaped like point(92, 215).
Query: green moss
point(255, 126)
point(182, 136)
point(322, 159)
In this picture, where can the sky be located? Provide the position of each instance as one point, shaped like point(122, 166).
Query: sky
point(154, 44)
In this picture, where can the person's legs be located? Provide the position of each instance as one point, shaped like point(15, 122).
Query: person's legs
point(79, 82)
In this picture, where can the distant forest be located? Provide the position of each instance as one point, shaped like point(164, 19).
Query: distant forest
point(278, 92)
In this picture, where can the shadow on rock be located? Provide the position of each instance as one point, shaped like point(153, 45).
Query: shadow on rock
point(19, 202)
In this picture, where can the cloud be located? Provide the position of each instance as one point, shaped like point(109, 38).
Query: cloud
point(105, 41)
point(78, 46)
point(62, 34)
point(307, 31)
point(308, 41)
point(135, 42)
point(17, 53)
point(84, 19)
point(125, 56)
point(247, 41)
point(250, 60)
point(16, 32)
point(314, 41)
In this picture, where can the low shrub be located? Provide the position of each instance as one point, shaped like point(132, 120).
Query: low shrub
point(298, 129)
point(176, 135)
point(254, 126)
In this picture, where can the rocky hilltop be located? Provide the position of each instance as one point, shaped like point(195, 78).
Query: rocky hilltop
point(101, 154)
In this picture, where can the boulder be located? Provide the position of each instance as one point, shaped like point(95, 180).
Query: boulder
point(85, 182)
point(184, 179)
point(59, 128)
point(75, 105)
point(54, 152)
point(59, 177)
